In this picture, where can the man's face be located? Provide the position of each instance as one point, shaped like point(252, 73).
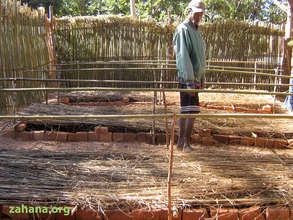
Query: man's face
point(196, 17)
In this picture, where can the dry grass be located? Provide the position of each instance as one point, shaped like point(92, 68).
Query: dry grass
point(133, 175)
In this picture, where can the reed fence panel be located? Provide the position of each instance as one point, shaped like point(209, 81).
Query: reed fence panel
point(109, 38)
point(117, 38)
point(23, 48)
point(260, 46)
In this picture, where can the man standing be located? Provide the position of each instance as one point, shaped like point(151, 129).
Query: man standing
point(190, 61)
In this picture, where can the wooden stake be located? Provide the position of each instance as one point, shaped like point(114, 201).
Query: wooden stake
point(154, 121)
point(166, 112)
point(170, 213)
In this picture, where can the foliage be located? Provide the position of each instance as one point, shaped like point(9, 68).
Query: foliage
point(161, 9)
point(272, 13)
point(44, 3)
point(253, 10)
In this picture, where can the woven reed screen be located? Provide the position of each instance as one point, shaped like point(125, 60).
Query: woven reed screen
point(260, 46)
point(121, 37)
point(81, 39)
point(22, 49)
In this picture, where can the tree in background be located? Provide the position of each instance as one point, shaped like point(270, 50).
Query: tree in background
point(43, 3)
point(74, 7)
point(83, 7)
point(243, 10)
point(162, 10)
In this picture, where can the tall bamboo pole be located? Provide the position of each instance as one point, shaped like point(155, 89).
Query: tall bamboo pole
point(144, 90)
point(170, 213)
point(145, 116)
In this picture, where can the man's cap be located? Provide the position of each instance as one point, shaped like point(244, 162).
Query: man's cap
point(196, 6)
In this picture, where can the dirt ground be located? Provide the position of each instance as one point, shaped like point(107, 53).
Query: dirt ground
point(111, 175)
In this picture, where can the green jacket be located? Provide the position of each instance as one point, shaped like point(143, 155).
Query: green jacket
point(189, 49)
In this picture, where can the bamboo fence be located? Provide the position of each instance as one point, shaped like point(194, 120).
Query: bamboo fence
point(106, 38)
point(82, 40)
point(163, 71)
point(110, 37)
point(23, 46)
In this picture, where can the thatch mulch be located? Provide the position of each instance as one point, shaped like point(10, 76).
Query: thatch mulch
point(126, 176)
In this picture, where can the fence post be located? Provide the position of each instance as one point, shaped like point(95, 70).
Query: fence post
point(46, 85)
point(167, 128)
point(50, 46)
point(49, 29)
point(275, 87)
point(14, 95)
point(255, 77)
point(154, 111)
